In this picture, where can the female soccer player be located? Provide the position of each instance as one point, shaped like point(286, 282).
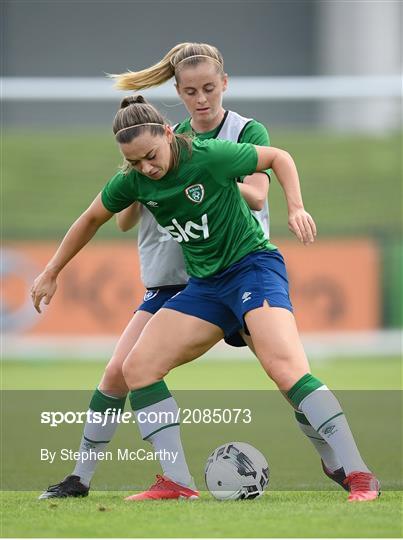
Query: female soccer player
point(201, 82)
point(162, 265)
point(238, 279)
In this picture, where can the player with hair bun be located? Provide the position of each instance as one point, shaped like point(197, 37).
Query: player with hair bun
point(162, 265)
point(201, 81)
point(238, 280)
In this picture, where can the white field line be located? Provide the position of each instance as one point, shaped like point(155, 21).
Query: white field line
point(318, 346)
point(240, 88)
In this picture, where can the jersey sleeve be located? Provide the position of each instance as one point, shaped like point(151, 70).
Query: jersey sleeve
point(256, 133)
point(116, 195)
point(228, 160)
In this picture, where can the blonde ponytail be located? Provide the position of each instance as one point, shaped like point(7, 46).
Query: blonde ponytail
point(165, 69)
point(155, 75)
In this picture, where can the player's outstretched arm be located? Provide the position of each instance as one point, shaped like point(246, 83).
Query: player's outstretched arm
point(79, 234)
point(299, 221)
point(129, 217)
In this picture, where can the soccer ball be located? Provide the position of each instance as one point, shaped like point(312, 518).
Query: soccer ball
point(236, 470)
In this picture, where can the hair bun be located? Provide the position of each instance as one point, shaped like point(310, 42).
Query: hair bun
point(131, 100)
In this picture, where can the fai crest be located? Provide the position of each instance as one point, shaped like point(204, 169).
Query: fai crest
point(195, 193)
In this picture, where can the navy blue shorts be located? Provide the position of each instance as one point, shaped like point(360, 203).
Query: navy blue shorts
point(235, 340)
point(225, 298)
point(154, 299)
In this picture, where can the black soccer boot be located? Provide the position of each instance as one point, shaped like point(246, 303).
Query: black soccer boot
point(69, 487)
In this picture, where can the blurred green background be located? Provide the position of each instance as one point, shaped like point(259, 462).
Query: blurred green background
point(351, 184)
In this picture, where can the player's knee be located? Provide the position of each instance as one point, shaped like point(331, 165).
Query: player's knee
point(130, 370)
point(281, 369)
point(140, 371)
point(283, 379)
point(113, 380)
point(136, 379)
point(160, 371)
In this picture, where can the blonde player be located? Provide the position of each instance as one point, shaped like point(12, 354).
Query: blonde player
point(238, 279)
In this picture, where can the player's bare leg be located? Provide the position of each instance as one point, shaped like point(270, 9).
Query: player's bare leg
point(110, 394)
point(154, 355)
point(280, 351)
point(112, 382)
point(330, 463)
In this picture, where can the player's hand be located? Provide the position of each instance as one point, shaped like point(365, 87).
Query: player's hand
point(302, 225)
point(43, 288)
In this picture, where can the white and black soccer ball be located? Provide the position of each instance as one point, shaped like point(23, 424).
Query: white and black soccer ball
point(235, 471)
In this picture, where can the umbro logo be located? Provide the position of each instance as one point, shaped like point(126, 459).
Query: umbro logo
point(329, 430)
point(246, 296)
point(152, 203)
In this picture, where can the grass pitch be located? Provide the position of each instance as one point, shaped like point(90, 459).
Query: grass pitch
point(339, 374)
point(276, 514)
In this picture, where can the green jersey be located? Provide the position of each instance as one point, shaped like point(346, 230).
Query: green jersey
point(199, 204)
point(252, 132)
point(236, 128)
